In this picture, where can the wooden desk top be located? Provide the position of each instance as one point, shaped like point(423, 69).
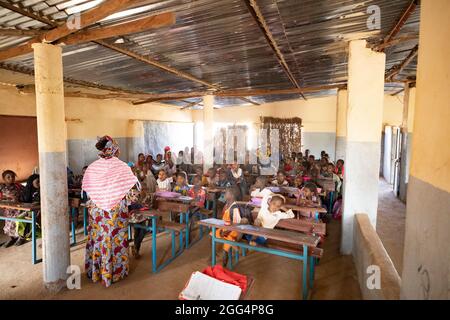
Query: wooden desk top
point(293, 207)
point(281, 235)
point(19, 206)
point(303, 225)
point(170, 205)
point(300, 224)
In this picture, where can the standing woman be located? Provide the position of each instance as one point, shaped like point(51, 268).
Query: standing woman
point(107, 182)
point(10, 191)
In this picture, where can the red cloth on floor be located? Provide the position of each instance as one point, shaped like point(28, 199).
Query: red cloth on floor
point(220, 273)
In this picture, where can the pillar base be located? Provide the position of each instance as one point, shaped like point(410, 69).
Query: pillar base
point(56, 286)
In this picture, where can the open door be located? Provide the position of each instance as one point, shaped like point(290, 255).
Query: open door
point(396, 151)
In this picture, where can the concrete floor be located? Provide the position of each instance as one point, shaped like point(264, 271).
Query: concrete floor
point(391, 223)
point(275, 277)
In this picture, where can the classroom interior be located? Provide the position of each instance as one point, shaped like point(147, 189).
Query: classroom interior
point(364, 81)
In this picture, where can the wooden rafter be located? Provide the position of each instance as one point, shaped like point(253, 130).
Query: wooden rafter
point(391, 73)
point(27, 13)
point(19, 32)
point(262, 24)
point(87, 18)
point(86, 35)
point(124, 92)
point(398, 25)
point(161, 66)
point(234, 93)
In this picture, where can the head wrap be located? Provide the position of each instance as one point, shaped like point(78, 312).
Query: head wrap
point(111, 148)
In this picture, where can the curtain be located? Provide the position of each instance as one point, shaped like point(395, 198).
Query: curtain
point(289, 133)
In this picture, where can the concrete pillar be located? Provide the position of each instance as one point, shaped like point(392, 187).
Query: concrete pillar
point(426, 257)
point(208, 132)
point(341, 124)
point(136, 143)
point(52, 164)
point(364, 118)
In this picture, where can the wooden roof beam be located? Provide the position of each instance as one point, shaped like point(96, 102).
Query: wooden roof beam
point(19, 32)
point(257, 15)
point(161, 66)
point(391, 73)
point(234, 93)
point(27, 13)
point(140, 25)
point(400, 22)
point(87, 18)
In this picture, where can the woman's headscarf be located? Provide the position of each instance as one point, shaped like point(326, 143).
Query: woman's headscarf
point(27, 194)
point(111, 148)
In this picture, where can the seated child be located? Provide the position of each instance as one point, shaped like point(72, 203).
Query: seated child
point(289, 167)
point(223, 182)
point(211, 178)
point(271, 212)
point(10, 191)
point(337, 181)
point(339, 170)
point(309, 196)
point(298, 181)
point(280, 180)
point(181, 184)
point(138, 199)
point(259, 185)
point(198, 193)
point(231, 214)
point(164, 183)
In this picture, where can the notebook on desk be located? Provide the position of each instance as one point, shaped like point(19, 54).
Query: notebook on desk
point(203, 287)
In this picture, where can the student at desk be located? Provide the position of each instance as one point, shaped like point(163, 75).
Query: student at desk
point(10, 191)
point(281, 180)
point(164, 183)
point(309, 196)
point(181, 185)
point(30, 194)
point(271, 212)
point(231, 214)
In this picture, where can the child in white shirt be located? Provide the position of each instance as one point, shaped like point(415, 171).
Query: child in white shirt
point(270, 214)
point(164, 182)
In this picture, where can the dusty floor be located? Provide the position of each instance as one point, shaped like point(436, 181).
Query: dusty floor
point(391, 223)
point(275, 277)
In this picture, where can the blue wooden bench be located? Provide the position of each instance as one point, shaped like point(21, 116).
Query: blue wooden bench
point(25, 208)
point(302, 244)
point(156, 224)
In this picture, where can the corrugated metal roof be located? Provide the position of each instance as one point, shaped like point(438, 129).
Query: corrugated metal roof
point(220, 42)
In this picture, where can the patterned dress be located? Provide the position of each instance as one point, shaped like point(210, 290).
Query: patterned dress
point(107, 244)
point(12, 193)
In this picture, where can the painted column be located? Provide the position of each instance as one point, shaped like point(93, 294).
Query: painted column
point(208, 132)
point(52, 164)
point(136, 143)
point(364, 118)
point(341, 124)
point(426, 257)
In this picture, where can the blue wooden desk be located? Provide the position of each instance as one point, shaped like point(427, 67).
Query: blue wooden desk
point(301, 240)
point(153, 216)
point(25, 208)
